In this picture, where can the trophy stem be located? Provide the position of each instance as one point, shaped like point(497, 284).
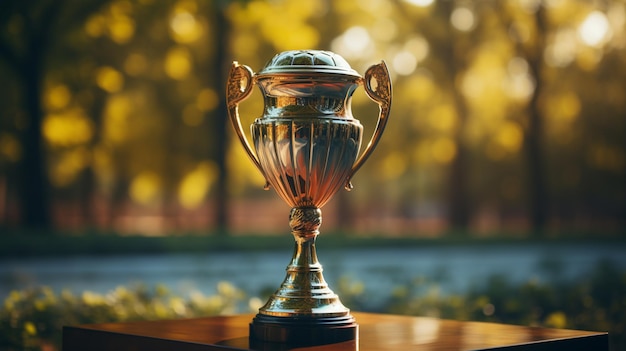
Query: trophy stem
point(304, 310)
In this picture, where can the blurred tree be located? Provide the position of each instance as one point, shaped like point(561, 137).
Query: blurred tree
point(504, 113)
point(221, 65)
point(532, 50)
point(29, 30)
point(450, 52)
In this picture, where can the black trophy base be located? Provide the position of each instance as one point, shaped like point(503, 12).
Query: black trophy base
point(267, 332)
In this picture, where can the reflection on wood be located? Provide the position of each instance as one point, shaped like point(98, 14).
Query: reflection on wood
point(377, 332)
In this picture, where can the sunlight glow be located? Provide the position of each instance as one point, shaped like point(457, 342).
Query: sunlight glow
point(384, 29)
point(185, 28)
point(404, 63)
point(463, 19)
point(352, 43)
point(418, 46)
point(519, 83)
point(562, 49)
point(595, 29)
point(420, 3)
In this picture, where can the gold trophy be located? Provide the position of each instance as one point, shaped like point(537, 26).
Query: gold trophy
point(307, 147)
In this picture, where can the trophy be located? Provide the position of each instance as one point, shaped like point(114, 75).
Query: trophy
point(306, 145)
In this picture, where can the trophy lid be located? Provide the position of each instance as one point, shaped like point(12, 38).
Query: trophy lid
point(306, 62)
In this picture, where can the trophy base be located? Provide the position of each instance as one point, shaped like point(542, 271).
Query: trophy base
point(268, 332)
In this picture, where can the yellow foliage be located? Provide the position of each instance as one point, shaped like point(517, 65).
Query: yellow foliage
point(184, 26)
point(121, 29)
point(290, 35)
point(67, 167)
point(563, 107)
point(178, 63)
point(443, 117)
point(71, 127)
point(242, 170)
point(102, 164)
point(421, 153)
point(57, 97)
point(510, 136)
point(419, 88)
point(116, 113)
point(120, 8)
point(556, 320)
point(192, 116)
point(109, 79)
point(245, 44)
point(393, 166)
point(93, 299)
point(207, 100)
point(146, 188)
point(196, 184)
point(95, 26)
point(283, 23)
point(443, 149)
point(30, 328)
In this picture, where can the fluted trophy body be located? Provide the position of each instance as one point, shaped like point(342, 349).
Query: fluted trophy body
point(307, 146)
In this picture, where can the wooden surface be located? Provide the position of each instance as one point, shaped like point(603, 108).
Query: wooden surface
point(379, 332)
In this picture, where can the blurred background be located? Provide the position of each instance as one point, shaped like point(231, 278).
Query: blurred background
point(506, 115)
point(508, 121)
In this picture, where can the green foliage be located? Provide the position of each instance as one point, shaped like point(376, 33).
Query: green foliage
point(33, 319)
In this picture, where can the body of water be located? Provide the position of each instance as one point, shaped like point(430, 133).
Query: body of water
point(455, 269)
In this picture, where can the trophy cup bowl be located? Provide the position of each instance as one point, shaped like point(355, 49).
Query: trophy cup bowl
point(306, 145)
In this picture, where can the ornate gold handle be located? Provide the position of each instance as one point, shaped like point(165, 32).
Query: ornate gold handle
point(378, 87)
point(238, 88)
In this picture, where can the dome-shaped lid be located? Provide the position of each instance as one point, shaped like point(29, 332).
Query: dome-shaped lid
point(308, 61)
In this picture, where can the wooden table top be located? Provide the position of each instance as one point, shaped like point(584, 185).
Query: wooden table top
point(379, 332)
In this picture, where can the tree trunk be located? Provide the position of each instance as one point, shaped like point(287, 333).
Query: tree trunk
point(222, 129)
point(539, 197)
point(458, 195)
point(33, 181)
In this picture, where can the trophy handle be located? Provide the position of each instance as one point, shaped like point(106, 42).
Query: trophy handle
point(378, 87)
point(238, 88)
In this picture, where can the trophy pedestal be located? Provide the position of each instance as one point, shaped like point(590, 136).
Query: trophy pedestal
point(301, 331)
point(303, 311)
